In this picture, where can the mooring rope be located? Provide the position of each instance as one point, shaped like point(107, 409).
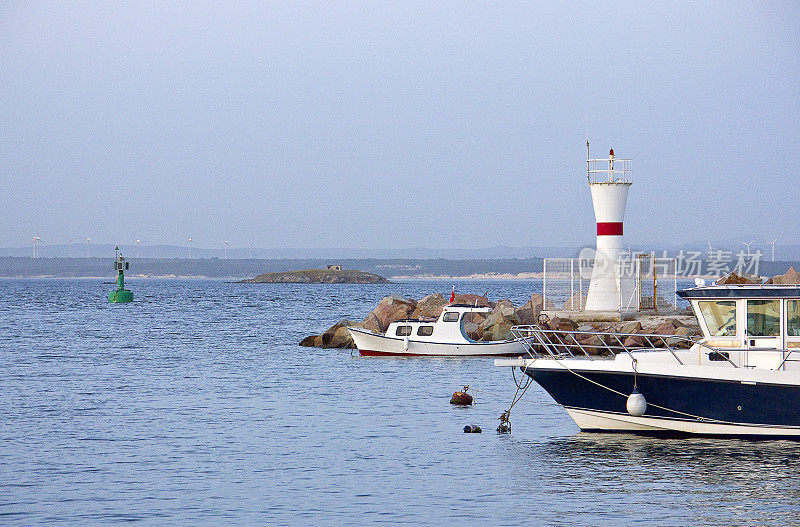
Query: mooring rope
point(515, 399)
point(649, 404)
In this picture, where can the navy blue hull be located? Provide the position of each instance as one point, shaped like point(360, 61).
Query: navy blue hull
point(686, 398)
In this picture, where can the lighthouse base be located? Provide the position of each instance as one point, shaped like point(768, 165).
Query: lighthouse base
point(120, 295)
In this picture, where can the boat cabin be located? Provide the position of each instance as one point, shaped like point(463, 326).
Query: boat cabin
point(748, 318)
point(449, 327)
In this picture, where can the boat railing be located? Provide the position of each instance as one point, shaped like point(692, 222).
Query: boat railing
point(540, 342)
point(786, 354)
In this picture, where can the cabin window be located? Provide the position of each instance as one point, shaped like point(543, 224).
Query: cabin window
point(425, 331)
point(403, 331)
point(793, 318)
point(763, 318)
point(720, 317)
point(451, 316)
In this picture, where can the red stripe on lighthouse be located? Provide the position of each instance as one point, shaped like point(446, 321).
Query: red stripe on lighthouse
point(609, 228)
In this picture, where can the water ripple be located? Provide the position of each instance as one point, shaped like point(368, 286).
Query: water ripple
point(195, 405)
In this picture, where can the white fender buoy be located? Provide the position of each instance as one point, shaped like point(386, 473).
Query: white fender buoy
point(405, 343)
point(636, 405)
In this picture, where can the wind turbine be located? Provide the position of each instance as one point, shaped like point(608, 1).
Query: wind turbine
point(773, 248)
point(70, 248)
point(88, 242)
point(36, 241)
point(190, 248)
point(748, 247)
point(138, 241)
point(226, 249)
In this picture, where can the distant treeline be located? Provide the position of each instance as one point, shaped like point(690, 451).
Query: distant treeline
point(18, 267)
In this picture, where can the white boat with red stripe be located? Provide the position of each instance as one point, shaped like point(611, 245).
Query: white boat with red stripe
point(444, 337)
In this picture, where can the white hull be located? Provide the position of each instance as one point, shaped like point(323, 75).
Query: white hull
point(369, 343)
point(592, 420)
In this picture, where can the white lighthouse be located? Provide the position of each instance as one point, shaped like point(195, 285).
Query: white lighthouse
point(609, 182)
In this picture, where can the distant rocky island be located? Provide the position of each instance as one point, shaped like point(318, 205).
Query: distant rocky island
point(318, 276)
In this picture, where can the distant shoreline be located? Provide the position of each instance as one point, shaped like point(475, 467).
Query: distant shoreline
point(236, 279)
point(127, 277)
point(234, 270)
point(476, 276)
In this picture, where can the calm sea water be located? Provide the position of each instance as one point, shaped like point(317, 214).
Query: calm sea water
point(194, 405)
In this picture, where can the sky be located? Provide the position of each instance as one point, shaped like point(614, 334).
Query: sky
point(395, 124)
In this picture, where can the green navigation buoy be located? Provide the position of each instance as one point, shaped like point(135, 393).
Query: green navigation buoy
point(120, 294)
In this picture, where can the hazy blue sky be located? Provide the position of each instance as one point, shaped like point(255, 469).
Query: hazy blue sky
point(376, 124)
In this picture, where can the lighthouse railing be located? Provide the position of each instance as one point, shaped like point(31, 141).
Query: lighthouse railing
point(609, 170)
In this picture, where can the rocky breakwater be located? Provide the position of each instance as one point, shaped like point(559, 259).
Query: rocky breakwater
point(318, 276)
point(599, 338)
point(496, 325)
point(791, 277)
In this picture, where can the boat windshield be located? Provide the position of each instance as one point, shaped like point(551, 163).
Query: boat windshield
point(793, 318)
point(720, 317)
point(763, 318)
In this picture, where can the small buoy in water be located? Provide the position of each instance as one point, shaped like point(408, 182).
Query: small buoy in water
point(472, 429)
point(505, 425)
point(461, 397)
point(120, 295)
point(636, 405)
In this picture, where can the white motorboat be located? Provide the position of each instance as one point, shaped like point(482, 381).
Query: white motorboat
point(742, 378)
point(444, 336)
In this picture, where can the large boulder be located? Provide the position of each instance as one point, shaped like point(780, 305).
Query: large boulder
point(497, 325)
point(537, 303)
point(594, 345)
point(685, 331)
point(472, 330)
point(341, 338)
point(665, 328)
point(635, 341)
point(630, 327)
point(562, 340)
point(430, 307)
point(736, 279)
point(528, 313)
point(371, 323)
point(337, 336)
point(791, 277)
point(473, 300)
point(312, 341)
point(477, 318)
point(472, 324)
point(563, 324)
point(390, 309)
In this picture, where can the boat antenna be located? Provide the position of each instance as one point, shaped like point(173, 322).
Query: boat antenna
point(587, 148)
